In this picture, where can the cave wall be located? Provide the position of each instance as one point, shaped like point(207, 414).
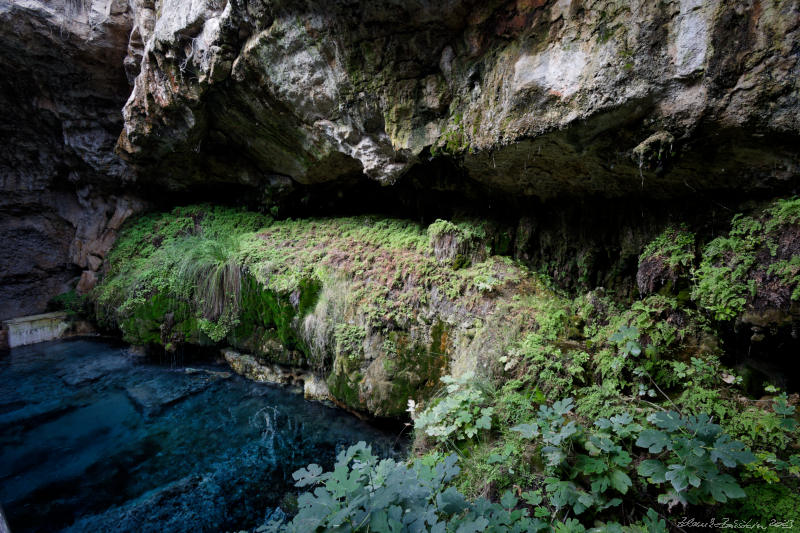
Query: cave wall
point(534, 98)
point(556, 116)
point(60, 181)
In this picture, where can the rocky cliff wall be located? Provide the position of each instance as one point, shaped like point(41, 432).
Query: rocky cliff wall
point(61, 183)
point(535, 98)
point(491, 103)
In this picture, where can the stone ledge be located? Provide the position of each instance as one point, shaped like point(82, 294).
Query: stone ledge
point(314, 387)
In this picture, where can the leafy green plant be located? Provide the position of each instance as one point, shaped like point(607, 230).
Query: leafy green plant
point(725, 279)
point(459, 414)
point(689, 453)
point(675, 245)
point(365, 493)
point(71, 302)
point(603, 467)
point(627, 339)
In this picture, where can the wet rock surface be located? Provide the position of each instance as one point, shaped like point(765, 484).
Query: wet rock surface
point(94, 438)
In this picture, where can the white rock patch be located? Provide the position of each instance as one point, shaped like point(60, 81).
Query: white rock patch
point(557, 69)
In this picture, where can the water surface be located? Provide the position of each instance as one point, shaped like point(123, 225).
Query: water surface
point(94, 438)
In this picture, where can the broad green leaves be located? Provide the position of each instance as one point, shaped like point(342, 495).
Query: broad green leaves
point(627, 339)
point(527, 431)
point(588, 471)
point(689, 454)
point(692, 449)
point(655, 441)
point(363, 493)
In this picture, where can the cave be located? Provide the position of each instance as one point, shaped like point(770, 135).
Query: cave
point(537, 251)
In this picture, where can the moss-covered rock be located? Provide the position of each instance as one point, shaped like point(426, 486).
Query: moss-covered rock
point(666, 263)
point(365, 302)
point(754, 271)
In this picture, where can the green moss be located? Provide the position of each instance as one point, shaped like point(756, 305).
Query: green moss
point(267, 315)
point(344, 387)
point(146, 325)
point(766, 503)
point(349, 341)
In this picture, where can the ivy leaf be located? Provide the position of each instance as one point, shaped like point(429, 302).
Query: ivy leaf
point(528, 431)
point(723, 487)
point(553, 455)
point(655, 441)
point(782, 408)
point(622, 419)
point(590, 465)
point(485, 421)
point(654, 470)
point(703, 428)
point(633, 348)
point(730, 452)
point(532, 498)
point(566, 431)
point(654, 523)
point(620, 481)
point(561, 492)
point(625, 333)
point(438, 527)
point(603, 423)
point(473, 526)
point(671, 498)
point(622, 459)
point(600, 484)
point(564, 406)
point(681, 477)
point(448, 469)
point(585, 500)
point(570, 526)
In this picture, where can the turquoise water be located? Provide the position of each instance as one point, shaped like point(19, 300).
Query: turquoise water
point(94, 438)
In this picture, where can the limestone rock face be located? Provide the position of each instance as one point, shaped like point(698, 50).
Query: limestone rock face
point(532, 99)
point(60, 181)
point(539, 98)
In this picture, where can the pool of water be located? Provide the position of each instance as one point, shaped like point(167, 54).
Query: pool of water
point(94, 438)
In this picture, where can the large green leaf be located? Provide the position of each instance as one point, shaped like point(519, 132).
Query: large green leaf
point(666, 420)
point(652, 439)
point(528, 431)
point(730, 452)
point(654, 470)
point(620, 481)
point(451, 501)
point(307, 476)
